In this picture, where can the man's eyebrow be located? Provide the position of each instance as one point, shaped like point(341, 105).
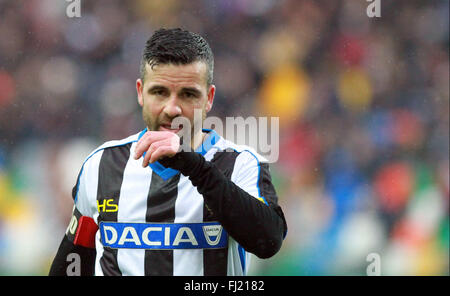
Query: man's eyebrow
point(157, 87)
point(192, 90)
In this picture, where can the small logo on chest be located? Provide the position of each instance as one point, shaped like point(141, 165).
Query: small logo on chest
point(107, 205)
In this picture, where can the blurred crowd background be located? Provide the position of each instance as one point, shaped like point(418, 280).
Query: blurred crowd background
point(363, 106)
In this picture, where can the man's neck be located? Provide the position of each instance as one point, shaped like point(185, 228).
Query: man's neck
point(197, 140)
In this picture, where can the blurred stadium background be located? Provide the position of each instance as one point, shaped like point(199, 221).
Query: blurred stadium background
point(363, 106)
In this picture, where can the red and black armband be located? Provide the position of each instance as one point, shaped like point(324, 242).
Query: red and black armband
point(79, 239)
point(82, 230)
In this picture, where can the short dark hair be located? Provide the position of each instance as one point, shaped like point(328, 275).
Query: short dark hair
point(177, 46)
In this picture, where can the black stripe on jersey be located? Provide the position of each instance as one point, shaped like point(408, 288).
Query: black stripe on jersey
point(265, 185)
point(111, 169)
point(215, 260)
point(75, 188)
point(161, 208)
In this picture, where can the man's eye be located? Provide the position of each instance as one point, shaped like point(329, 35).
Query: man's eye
point(189, 95)
point(158, 92)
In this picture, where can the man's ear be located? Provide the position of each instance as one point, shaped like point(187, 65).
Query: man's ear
point(210, 101)
point(139, 90)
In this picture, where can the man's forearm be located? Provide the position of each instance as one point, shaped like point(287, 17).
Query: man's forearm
point(62, 260)
point(259, 228)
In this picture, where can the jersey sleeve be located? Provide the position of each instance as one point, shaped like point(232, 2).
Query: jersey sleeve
point(251, 173)
point(84, 192)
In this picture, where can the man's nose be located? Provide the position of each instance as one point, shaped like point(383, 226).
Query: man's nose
point(172, 107)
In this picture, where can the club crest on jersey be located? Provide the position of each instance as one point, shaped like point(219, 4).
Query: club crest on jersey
point(163, 235)
point(212, 233)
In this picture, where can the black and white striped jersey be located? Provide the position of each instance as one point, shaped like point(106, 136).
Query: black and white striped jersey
point(154, 221)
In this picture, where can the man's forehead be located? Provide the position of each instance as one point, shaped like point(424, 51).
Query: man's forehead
point(177, 73)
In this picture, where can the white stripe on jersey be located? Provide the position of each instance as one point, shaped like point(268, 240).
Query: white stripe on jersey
point(188, 209)
point(99, 252)
point(86, 198)
point(133, 208)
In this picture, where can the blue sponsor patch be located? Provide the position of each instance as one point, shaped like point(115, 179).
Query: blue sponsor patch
point(208, 235)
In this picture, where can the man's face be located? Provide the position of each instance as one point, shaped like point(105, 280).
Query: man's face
point(170, 91)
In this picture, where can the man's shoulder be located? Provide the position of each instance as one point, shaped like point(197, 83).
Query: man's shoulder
point(114, 144)
point(119, 143)
point(243, 151)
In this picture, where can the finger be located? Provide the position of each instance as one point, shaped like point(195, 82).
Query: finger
point(175, 143)
point(142, 145)
point(169, 148)
point(149, 153)
point(166, 147)
point(138, 151)
point(162, 151)
point(147, 139)
point(159, 135)
point(153, 147)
